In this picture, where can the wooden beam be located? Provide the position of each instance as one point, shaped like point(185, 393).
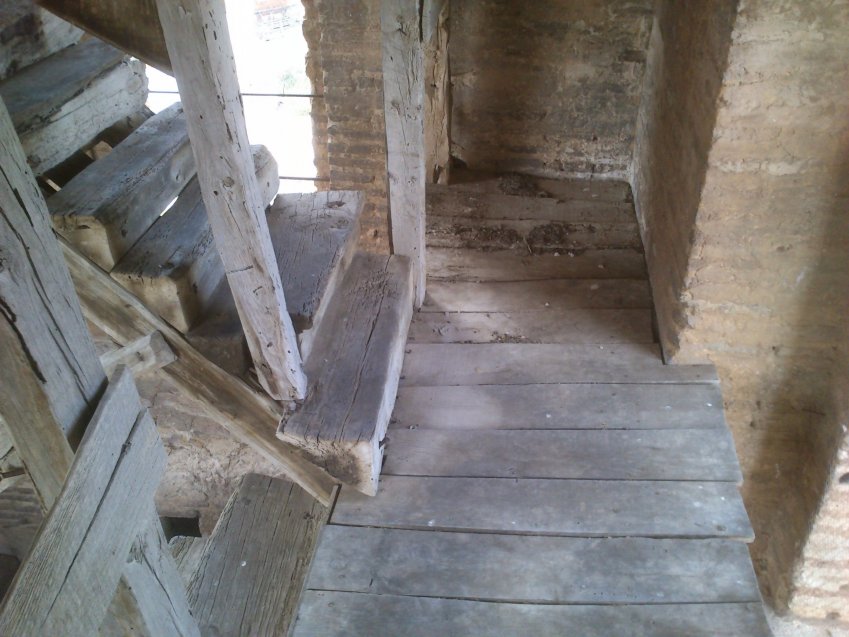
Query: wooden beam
point(249, 415)
point(130, 25)
point(198, 42)
point(141, 355)
point(437, 78)
point(403, 99)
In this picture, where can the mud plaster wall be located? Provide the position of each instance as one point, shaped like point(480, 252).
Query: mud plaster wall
point(547, 88)
point(346, 62)
point(757, 261)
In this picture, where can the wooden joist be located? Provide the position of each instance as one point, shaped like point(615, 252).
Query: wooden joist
point(403, 107)
point(107, 207)
point(141, 355)
point(198, 43)
point(60, 104)
point(437, 79)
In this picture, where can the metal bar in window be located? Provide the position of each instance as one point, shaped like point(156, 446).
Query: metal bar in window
point(250, 94)
point(305, 178)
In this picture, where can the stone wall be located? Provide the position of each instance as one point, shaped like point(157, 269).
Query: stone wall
point(547, 88)
point(757, 263)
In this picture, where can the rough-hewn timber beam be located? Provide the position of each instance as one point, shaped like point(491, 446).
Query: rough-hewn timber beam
point(198, 42)
point(437, 105)
point(403, 104)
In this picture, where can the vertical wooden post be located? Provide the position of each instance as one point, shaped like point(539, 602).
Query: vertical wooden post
point(198, 43)
point(437, 106)
point(403, 103)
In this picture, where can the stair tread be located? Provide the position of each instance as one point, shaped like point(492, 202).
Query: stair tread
point(174, 267)
point(341, 614)
point(61, 102)
point(105, 209)
point(529, 186)
point(29, 34)
point(250, 577)
point(584, 508)
point(347, 410)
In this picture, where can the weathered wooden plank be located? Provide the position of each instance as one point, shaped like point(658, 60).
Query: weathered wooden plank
point(59, 105)
point(403, 101)
point(29, 34)
point(141, 355)
point(198, 42)
point(106, 208)
point(534, 326)
point(585, 508)
point(437, 90)
point(250, 416)
point(560, 407)
point(187, 552)
point(251, 575)
point(40, 311)
point(158, 590)
point(554, 294)
point(528, 186)
point(535, 569)
point(79, 554)
point(174, 268)
point(335, 614)
point(462, 264)
point(617, 454)
point(344, 419)
point(525, 364)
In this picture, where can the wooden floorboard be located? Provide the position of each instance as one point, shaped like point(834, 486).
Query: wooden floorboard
point(535, 569)
point(588, 508)
point(682, 454)
point(559, 406)
point(337, 614)
point(523, 364)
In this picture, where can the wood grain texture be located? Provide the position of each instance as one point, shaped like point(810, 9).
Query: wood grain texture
point(534, 326)
point(61, 103)
point(577, 188)
point(554, 406)
point(619, 454)
point(144, 354)
point(30, 34)
point(175, 268)
point(585, 508)
point(523, 364)
point(342, 422)
point(250, 416)
point(336, 614)
point(403, 100)
point(198, 42)
point(79, 555)
point(437, 95)
point(532, 569)
point(106, 208)
point(253, 569)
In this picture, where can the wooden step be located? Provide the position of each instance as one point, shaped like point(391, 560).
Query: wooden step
point(105, 209)
point(59, 104)
point(526, 364)
point(472, 181)
point(340, 614)
point(314, 237)
point(353, 371)
point(174, 267)
point(253, 567)
point(29, 33)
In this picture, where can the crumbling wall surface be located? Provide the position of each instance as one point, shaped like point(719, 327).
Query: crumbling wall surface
point(764, 292)
point(547, 88)
point(352, 81)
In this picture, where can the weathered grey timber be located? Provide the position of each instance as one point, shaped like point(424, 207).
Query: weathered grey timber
point(29, 34)
point(586, 508)
point(538, 187)
point(174, 268)
point(343, 421)
point(198, 42)
point(460, 264)
point(507, 363)
point(250, 416)
point(536, 569)
point(249, 579)
point(607, 406)
point(336, 614)
point(587, 454)
point(187, 552)
point(403, 99)
point(79, 556)
point(534, 326)
point(106, 208)
point(60, 104)
point(437, 94)
point(141, 355)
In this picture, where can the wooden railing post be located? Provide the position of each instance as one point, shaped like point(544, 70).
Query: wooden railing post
point(198, 42)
